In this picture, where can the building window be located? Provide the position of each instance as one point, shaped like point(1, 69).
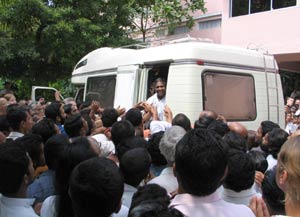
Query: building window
point(244, 7)
point(209, 24)
point(160, 32)
point(230, 95)
point(260, 6)
point(181, 30)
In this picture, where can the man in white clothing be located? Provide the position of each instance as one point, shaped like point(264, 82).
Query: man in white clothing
point(16, 172)
point(167, 148)
point(159, 98)
point(200, 168)
point(239, 182)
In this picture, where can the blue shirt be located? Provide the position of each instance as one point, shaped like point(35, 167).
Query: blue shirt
point(42, 187)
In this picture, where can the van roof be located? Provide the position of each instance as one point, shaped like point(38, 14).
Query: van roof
point(110, 58)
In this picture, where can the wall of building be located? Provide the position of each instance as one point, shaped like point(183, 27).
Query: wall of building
point(275, 30)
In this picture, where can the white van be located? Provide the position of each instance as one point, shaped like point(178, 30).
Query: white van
point(240, 84)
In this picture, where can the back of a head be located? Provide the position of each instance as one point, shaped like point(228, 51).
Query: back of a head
point(288, 160)
point(96, 188)
point(15, 116)
point(272, 194)
point(203, 122)
point(73, 125)
point(202, 151)
point(74, 153)
point(167, 145)
point(235, 141)
point(259, 160)
point(277, 137)
point(120, 131)
point(151, 201)
point(33, 144)
point(219, 127)
point(45, 128)
point(54, 148)
point(153, 147)
point(134, 116)
point(130, 143)
point(14, 164)
point(135, 166)
point(267, 126)
point(241, 171)
point(109, 117)
point(52, 111)
point(183, 121)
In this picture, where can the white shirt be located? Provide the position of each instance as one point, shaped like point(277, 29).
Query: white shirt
point(107, 147)
point(13, 207)
point(127, 195)
point(166, 179)
point(291, 128)
point(48, 207)
point(242, 197)
point(271, 162)
point(14, 135)
point(209, 206)
point(159, 103)
point(122, 213)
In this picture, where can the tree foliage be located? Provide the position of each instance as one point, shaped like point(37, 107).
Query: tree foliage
point(41, 40)
point(147, 14)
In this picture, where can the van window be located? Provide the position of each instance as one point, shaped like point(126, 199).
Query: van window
point(101, 89)
point(230, 95)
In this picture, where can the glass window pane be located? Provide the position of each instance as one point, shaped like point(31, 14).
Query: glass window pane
point(239, 7)
point(101, 89)
point(230, 95)
point(283, 3)
point(260, 6)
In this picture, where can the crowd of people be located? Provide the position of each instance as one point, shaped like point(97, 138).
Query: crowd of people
point(60, 159)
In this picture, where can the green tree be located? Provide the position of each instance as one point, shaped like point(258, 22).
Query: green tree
point(149, 13)
point(42, 40)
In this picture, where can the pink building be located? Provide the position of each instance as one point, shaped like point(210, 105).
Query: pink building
point(268, 25)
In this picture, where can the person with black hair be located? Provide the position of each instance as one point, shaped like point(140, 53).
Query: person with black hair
point(183, 121)
point(271, 145)
point(219, 127)
point(200, 167)
point(130, 143)
point(239, 182)
point(20, 121)
point(75, 126)
point(45, 128)
point(235, 141)
point(16, 172)
point(159, 162)
point(203, 122)
point(56, 112)
point(109, 117)
point(152, 200)
point(96, 188)
point(263, 129)
point(272, 194)
point(34, 145)
point(43, 185)
point(134, 116)
point(167, 146)
point(121, 130)
point(135, 167)
point(259, 160)
point(79, 150)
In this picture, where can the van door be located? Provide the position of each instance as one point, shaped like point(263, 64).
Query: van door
point(46, 92)
point(127, 86)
